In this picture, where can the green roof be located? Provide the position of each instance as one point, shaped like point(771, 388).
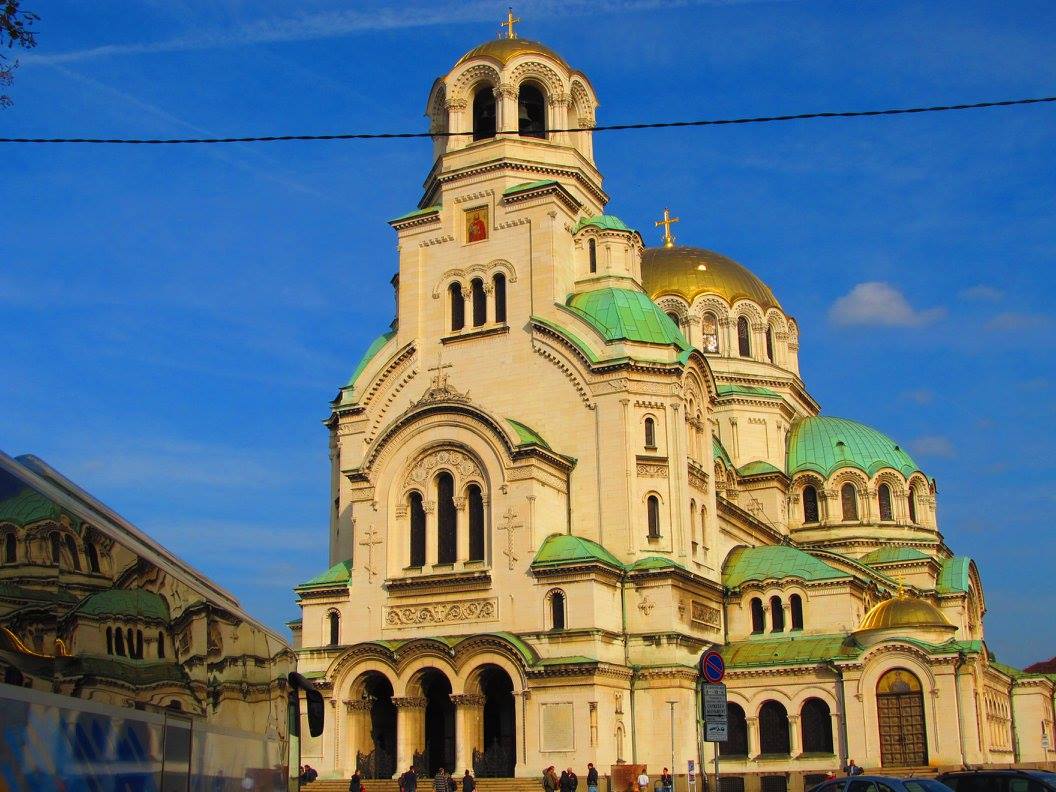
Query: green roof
point(824, 445)
point(774, 562)
point(718, 451)
point(627, 315)
point(889, 555)
point(526, 435)
point(799, 650)
point(653, 562)
point(561, 549)
point(746, 390)
point(758, 468)
point(605, 222)
point(336, 575)
point(372, 350)
point(28, 507)
point(569, 336)
point(953, 577)
point(416, 213)
point(528, 186)
point(128, 603)
point(137, 672)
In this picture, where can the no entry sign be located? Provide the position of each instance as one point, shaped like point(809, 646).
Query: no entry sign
point(712, 667)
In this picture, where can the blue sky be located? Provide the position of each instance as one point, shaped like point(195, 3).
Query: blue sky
point(176, 319)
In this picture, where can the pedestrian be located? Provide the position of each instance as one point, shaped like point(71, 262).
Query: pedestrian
point(469, 783)
point(310, 773)
point(852, 769)
point(355, 783)
point(409, 781)
point(452, 785)
point(564, 783)
point(666, 784)
point(549, 779)
point(592, 777)
point(643, 781)
point(440, 781)
point(573, 779)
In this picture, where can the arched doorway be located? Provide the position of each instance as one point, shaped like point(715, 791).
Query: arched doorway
point(498, 757)
point(376, 752)
point(439, 723)
point(900, 717)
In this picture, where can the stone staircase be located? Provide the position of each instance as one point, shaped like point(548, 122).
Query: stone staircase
point(426, 785)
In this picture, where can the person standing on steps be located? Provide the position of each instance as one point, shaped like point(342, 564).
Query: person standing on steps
point(469, 783)
point(549, 779)
point(592, 777)
point(643, 781)
point(573, 779)
point(440, 782)
point(564, 783)
point(666, 784)
point(409, 781)
point(355, 783)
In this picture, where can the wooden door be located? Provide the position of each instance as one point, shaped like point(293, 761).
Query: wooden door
point(900, 715)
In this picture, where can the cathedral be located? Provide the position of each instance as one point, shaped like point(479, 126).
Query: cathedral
point(575, 463)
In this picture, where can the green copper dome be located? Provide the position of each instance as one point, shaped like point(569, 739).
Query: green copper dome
point(604, 222)
point(627, 315)
point(825, 444)
point(775, 562)
point(561, 549)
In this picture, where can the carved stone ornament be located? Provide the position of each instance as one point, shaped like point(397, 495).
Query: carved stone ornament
point(359, 705)
point(705, 614)
point(468, 699)
point(409, 702)
point(646, 605)
point(442, 613)
point(652, 470)
point(424, 468)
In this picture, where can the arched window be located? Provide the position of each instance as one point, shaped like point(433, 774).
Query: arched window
point(744, 341)
point(417, 509)
point(911, 502)
point(484, 113)
point(161, 645)
point(119, 642)
point(795, 606)
point(334, 620)
point(736, 732)
point(109, 640)
point(480, 302)
point(131, 642)
point(592, 249)
point(849, 501)
point(810, 504)
point(56, 546)
point(816, 724)
point(71, 548)
point(10, 548)
point(139, 644)
point(93, 556)
point(458, 307)
point(709, 330)
point(476, 523)
point(531, 112)
point(673, 317)
point(758, 615)
point(693, 522)
point(557, 610)
point(770, 344)
point(447, 517)
point(499, 282)
point(653, 507)
point(650, 433)
point(773, 730)
point(883, 497)
point(777, 615)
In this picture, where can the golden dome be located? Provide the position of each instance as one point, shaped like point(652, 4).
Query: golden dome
point(504, 50)
point(677, 270)
point(903, 611)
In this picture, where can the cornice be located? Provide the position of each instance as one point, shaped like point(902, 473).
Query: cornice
point(459, 581)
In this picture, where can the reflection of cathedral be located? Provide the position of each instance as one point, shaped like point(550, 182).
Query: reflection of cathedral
point(575, 463)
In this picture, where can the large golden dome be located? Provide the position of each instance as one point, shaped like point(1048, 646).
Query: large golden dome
point(677, 271)
point(504, 50)
point(903, 611)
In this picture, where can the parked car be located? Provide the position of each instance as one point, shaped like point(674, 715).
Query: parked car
point(1000, 781)
point(869, 783)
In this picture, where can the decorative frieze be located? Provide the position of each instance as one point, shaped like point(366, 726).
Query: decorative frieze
point(657, 470)
point(409, 702)
point(477, 610)
point(702, 613)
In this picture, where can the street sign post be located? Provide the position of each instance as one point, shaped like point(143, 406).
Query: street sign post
point(712, 667)
point(715, 731)
point(691, 774)
point(714, 703)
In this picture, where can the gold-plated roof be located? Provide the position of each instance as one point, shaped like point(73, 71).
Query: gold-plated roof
point(506, 49)
point(903, 611)
point(677, 270)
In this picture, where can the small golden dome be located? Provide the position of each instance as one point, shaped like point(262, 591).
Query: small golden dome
point(903, 611)
point(504, 50)
point(688, 272)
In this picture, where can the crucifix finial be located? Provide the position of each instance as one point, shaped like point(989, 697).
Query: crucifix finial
point(509, 23)
point(440, 378)
point(667, 222)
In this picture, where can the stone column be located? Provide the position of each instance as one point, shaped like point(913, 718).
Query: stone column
point(359, 738)
point(506, 109)
point(838, 747)
point(795, 743)
point(431, 535)
point(753, 737)
point(461, 528)
point(410, 729)
point(469, 728)
point(520, 706)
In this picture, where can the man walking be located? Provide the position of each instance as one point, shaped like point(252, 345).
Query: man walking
point(592, 777)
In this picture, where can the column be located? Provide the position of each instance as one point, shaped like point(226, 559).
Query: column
point(795, 741)
point(410, 730)
point(837, 740)
point(431, 535)
point(753, 737)
point(520, 706)
point(506, 109)
point(359, 739)
point(461, 529)
point(469, 727)
point(489, 301)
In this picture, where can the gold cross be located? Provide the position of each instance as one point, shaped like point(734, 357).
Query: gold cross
point(370, 539)
point(669, 240)
point(440, 379)
point(510, 20)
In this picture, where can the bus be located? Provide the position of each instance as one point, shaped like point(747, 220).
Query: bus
point(124, 669)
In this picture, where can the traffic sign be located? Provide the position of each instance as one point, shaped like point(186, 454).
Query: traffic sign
point(712, 667)
point(715, 731)
point(714, 702)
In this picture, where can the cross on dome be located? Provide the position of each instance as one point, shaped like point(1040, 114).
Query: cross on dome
point(509, 23)
point(667, 222)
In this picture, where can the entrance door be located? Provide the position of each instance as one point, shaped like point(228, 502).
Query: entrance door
point(439, 722)
point(900, 712)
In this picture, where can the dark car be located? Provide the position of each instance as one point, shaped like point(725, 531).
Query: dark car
point(1000, 781)
point(869, 783)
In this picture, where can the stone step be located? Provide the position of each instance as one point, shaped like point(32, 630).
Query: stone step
point(425, 785)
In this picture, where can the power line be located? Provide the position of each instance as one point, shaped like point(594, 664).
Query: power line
point(602, 128)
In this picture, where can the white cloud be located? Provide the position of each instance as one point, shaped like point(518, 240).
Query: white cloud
point(878, 303)
point(1013, 322)
point(982, 293)
point(934, 446)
